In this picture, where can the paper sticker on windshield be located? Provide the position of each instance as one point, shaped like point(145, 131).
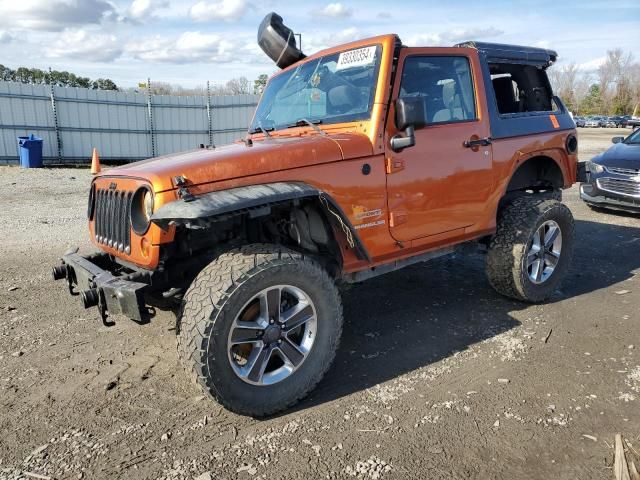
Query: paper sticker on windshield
point(356, 58)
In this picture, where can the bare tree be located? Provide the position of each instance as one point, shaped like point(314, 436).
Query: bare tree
point(554, 74)
point(634, 75)
point(564, 80)
point(238, 86)
point(612, 73)
point(617, 81)
point(161, 88)
point(235, 86)
point(581, 91)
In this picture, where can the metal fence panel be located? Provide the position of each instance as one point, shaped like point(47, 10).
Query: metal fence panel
point(23, 107)
point(116, 123)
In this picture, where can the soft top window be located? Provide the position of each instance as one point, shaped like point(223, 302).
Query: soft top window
point(445, 85)
point(520, 88)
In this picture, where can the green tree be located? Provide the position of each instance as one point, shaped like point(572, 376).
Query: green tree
point(23, 75)
point(622, 102)
point(260, 83)
point(103, 84)
point(35, 76)
point(6, 73)
point(593, 101)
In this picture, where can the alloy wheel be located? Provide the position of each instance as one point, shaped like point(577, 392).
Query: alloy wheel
point(272, 335)
point(544, 252)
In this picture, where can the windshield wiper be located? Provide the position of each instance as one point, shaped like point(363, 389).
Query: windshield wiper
point(260, 129)
point(313, 124)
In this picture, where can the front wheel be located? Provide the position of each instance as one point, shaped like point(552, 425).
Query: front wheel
point(259, 327)
point(531, 251)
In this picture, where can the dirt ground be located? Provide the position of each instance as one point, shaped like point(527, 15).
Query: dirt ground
point(437, 376)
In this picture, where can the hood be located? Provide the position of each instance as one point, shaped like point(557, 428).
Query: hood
point(238, 160)
point(620, 155)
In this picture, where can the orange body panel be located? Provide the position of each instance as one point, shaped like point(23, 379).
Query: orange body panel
point(431, 195)
point(443, 187)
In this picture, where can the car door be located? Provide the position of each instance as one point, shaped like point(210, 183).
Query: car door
point(442, 183)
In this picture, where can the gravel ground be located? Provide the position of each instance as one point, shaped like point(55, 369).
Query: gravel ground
point(459, 383)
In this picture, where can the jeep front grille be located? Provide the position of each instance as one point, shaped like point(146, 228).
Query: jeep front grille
point(112, 219)
point(629, 187)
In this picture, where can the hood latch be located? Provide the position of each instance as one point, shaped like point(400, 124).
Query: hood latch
point(180, 181)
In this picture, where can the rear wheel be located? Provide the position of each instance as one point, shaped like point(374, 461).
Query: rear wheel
point(531, 251)
point(259, 326)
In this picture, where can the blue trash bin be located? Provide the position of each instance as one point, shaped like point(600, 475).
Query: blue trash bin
point(30, 149)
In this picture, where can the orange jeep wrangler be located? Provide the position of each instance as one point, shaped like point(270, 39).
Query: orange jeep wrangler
point(360, 160)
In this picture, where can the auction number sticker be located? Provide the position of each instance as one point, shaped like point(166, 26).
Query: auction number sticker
point(356, 58)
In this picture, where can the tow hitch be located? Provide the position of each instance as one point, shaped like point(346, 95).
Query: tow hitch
point(99, 287)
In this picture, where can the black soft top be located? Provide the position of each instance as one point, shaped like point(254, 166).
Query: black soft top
point(503, 53)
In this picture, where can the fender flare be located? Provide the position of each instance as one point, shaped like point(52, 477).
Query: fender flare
point(242, 199)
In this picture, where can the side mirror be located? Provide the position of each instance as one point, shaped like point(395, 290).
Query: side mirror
point(410, 114)
point(617, 139)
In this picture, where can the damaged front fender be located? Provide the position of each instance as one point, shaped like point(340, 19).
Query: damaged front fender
point(251, 199)
point(222, 202)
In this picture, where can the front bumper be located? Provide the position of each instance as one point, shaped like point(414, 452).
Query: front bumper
point(98, 285)
point(595, 197)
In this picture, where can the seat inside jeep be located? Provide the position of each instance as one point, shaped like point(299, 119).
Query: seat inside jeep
point(452, 105)
point(520, 88)
point(444, 84)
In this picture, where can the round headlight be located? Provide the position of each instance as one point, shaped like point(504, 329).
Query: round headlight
point(147, 203)
point(141, 210)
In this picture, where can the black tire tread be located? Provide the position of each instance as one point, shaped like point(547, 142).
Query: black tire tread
point(207, 295)
point(516, 223)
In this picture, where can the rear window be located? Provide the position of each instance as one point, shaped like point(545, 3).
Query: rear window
point(521, 89)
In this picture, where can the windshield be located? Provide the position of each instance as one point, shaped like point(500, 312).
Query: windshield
point(634, 137)
point(331, 89)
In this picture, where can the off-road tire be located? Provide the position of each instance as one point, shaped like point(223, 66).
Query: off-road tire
point(506, 257)
point(556, 194)
point(214, 299)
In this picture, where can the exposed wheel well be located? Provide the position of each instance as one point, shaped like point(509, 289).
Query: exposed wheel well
point(537, 173)
point(299, 224)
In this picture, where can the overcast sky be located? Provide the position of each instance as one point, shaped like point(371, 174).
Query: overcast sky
point(192, 41)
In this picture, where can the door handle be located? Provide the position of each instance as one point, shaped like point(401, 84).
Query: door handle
point(480, 142)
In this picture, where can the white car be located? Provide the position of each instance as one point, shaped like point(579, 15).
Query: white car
point(592, 122)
